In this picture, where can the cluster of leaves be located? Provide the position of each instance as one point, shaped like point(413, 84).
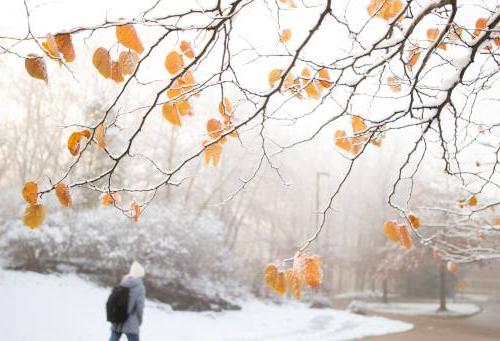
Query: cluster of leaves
point(127, 60)
point(306, 82)
point(57, 47)
point(399, 233)
point(306, 270)
point(35, 213)
point(472, 201)
point(354, 144)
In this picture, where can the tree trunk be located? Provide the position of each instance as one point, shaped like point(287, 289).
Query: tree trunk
point(442, 287)
point(384, 291)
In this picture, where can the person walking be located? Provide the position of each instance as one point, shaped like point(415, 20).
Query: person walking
point(125, 305)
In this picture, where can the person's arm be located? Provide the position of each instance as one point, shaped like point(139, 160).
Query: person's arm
point(140, 305)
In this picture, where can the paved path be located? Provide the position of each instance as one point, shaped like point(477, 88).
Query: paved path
point(484, 326)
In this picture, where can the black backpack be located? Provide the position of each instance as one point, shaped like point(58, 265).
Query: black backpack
point(117, 305)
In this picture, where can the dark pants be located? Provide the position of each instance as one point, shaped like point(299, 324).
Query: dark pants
point(115, 336)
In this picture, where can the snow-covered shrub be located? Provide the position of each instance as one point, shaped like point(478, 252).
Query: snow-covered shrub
point(184, 255)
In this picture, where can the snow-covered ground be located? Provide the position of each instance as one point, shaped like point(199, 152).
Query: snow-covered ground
point(407, 308)
point(37, 307)
point(363, 294)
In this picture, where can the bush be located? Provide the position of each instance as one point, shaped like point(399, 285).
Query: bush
point(185, 258)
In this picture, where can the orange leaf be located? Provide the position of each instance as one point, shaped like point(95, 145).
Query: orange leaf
point(63, 194)
point(481, 24)
point(324, 80)
point(358, 124)
point(65, 46)
point(30, 192)
point(116, 72)
point(183, 108)
point(128, 62)
point(225, 107)
point(312, 271)
point(274, 76)
point(100, 136)
point(128, 37)
point(212, 154)
point(285, 35)
point(74, 143)
point(413, 57)
point(472, 201)
point(214, 127)
point(34, 215)
point(391, 231)
point(404, 237)
point(293, 283)
point(102, 62)
point(280, 283)
point(174, 62)
point(414, 220)
point(432, 34)
point(36, 67)
point(171, 114)
point(385, 9)
point(136, 211)
point(270, 276)
point(108, 199)
point(341, 141)
point(289, 3)
point(50, 47)
point(393, 82)
point(185, 47)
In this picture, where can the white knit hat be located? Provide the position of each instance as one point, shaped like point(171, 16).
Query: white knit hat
point(137, 270)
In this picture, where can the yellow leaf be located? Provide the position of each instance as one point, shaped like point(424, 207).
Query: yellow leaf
point(36, 67)
point(128, 37)
point(102, 62)
point(63, 194)
point(100, 136)
point(274, 76)
point(50, 47)
point(65, 46)
point(171, 114)
point(174, 62)
point(285, 35)
point(30, 192)
point(34, 215)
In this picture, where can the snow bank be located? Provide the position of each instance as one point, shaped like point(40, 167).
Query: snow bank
point(406, 308)
point(58, 308)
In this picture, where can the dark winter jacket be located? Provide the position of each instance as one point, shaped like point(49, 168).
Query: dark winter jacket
point(135, 305)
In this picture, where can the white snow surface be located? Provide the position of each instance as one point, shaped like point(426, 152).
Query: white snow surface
point(413, 308)
point(66, 307)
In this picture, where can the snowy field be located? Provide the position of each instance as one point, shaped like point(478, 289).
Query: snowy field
point(39, 307)
point(412, 309)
